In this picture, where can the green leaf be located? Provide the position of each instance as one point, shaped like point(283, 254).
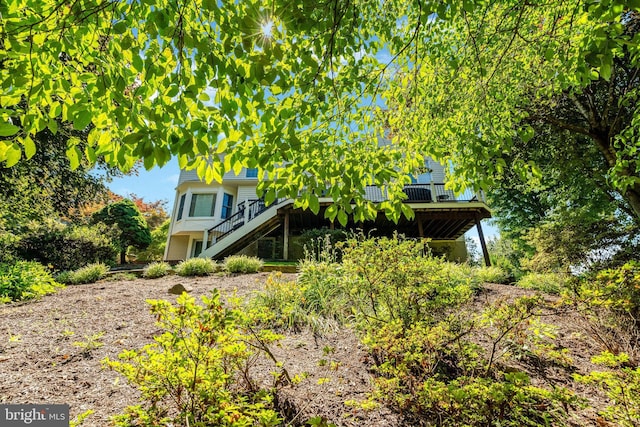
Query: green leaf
point(331, 212)
point(7, 129)
point(605, 70)
point(29, 147)
point(342, 218)
point(314, 203)
point(74, 157)
point(82, 120)
point(119, 27)
point(13, 155)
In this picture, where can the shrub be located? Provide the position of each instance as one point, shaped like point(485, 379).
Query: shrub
point(156, 270)
point(155, 250)
point(622, 387)
point(617, 289)
point(25, 280)
point(391, 279)
point(242, 264)
point(612, 301)
point(196, 267)
point(88, 274)
point(491, 274)
point(68, 248)
point(551, 283)
point(197, 371)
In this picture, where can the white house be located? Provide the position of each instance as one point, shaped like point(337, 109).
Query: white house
point(218, 220)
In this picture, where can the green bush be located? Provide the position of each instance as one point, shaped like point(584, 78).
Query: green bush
point(491, 274)
point(622, 386)
point(68, 248)
point(197, 371)
point(617, 289)
point(196, 267)
point(390, 279)
point(87, 274)
point(242, 264)
point(551, 283)
point(25, 280)
point(156, 270)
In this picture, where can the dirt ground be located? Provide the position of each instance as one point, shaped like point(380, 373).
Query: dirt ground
point(41, 360)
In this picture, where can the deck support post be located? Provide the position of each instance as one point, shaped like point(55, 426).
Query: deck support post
point(205, 241)
point(420, 227)
point(285, 249)
point(483, 244)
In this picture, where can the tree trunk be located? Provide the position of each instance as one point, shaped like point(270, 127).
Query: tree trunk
point(632, 194)
point(123, 257)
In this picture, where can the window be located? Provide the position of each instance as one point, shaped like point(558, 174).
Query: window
point(252, 173)
point(227, 205)
point(202, 205)
point(197, 248)
point(181, 206)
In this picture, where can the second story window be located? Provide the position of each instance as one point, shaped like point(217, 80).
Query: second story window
point(202, 205)
point(181, 207)
point(227, 205)
point(252, 173)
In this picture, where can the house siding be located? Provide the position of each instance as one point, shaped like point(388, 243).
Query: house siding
point(246, 193)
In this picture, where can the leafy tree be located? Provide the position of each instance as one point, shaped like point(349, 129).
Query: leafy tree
point(134, 230)
point(45, 185)
point(155, 250)
point(571, 214)
point(283, 86)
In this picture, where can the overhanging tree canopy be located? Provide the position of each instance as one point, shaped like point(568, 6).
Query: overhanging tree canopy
point(287, 86)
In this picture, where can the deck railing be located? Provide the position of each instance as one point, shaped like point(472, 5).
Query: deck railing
point(244, 214)
point(437, 193)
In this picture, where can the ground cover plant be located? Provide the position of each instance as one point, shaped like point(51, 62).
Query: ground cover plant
point(24, 280)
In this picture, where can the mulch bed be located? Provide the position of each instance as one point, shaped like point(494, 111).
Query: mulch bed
point(39, 362)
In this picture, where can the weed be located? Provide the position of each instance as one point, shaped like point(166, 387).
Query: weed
point(91, 342)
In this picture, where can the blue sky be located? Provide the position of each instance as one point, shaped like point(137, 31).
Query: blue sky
point(156, 184)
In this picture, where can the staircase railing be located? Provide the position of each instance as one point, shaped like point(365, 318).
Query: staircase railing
point(238, 219)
